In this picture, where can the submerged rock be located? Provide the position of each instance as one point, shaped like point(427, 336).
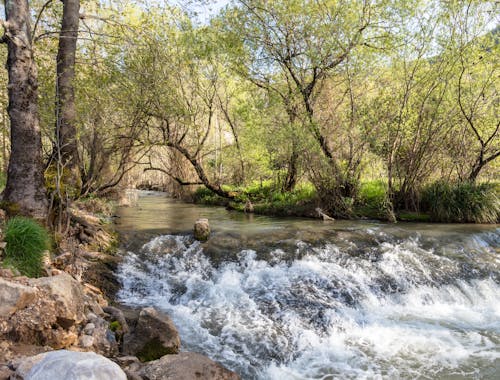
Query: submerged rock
point(154, 336)
point(201, 230)
point(186, 366)
point(68, 365)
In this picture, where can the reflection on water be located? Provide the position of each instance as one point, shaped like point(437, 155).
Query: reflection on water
point(275, 298)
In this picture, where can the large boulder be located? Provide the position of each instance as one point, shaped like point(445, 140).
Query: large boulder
point(154, 336)
point(69, 365)
point(48, 310)
point(186, 366)
point(68, 296)
point(14, 296)
point(201, 230)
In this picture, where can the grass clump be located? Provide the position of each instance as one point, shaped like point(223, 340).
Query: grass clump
point(26, 242)
point(462, 202)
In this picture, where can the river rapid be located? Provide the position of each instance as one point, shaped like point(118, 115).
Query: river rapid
point(277, 298)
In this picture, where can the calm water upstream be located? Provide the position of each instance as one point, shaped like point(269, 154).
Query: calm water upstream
point(277, 298)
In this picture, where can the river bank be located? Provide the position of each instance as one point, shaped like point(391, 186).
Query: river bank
point(437, 202)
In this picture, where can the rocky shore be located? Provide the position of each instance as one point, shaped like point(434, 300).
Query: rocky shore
point(64, 325)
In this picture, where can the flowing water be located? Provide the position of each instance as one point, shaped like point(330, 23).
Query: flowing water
point(275, 298)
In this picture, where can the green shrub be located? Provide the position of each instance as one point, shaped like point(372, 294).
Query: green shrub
point(26, 241)
point(462, 202)
point(373, 194)
point(208, 197)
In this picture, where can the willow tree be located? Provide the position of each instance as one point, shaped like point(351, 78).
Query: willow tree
point(25, 191)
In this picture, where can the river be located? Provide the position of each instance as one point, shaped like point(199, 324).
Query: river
point(279, 298)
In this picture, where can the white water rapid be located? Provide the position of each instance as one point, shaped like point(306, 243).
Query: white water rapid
point(384, 306)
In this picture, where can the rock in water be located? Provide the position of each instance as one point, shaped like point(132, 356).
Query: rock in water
point(154, 336)
point(70, 365)
point(201, 230)
point(186, 366)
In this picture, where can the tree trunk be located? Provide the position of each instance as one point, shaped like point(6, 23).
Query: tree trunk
point(25, 191)
point(291, 175)
point(66, 152)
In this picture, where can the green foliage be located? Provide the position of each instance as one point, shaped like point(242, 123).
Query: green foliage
point(26, 241)
point(462, 202)
point(115, 326)
point(373, 194)
point(266, 197)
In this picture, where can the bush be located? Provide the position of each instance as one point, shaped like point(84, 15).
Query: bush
point(462, 202)
point(373, 194)
point(26, 241)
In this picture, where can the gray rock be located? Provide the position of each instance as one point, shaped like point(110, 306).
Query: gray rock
point(24, 366)
point(186, 366)
point(201, 230)
point(155, 335)
point(14, 296)
point(71, 365)
point(98, 337)
point(86, 341)
point(89, 328)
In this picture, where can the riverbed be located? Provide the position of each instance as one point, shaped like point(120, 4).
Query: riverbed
point(291, 298)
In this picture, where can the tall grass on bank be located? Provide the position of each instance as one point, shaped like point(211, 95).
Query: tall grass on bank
point(26, 242)
point(462, 202)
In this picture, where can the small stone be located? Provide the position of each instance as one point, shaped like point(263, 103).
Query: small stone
point(86, 341)
point(89, 328)
point(201, 230)
point(6, 273)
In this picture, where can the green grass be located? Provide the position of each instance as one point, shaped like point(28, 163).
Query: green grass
point(462, 202)
point(26, 242)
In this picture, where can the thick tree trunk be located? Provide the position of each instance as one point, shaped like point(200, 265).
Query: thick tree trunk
point(66, 147)
point(25, 191)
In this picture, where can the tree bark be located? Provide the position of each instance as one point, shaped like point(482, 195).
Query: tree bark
point(25, 190)
point(66, 151)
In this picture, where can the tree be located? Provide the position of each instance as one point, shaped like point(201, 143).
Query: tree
point(477, 87)
point(25, 191)
point(291, 48)
point(65, 149)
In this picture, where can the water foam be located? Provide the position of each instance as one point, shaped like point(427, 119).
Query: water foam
point(395, 310)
